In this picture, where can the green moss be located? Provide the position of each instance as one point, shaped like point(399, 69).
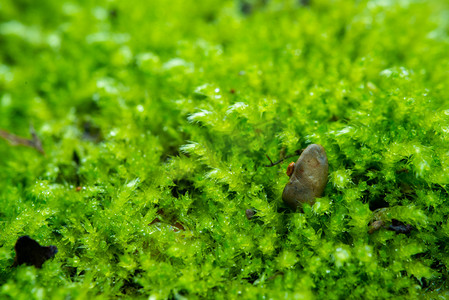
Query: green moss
point(163, 112)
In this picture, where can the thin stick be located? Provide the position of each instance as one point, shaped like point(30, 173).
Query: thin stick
point(297, 152)
point(15, 140)
point(269, 158)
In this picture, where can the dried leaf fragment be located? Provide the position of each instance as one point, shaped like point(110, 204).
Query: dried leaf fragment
point(29, 252)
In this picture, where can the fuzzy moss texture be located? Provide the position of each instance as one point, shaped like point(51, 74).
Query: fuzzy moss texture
point(156, 118)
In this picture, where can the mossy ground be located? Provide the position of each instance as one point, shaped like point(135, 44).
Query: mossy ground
point(163, 113)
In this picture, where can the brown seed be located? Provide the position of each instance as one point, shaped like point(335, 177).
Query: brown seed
point(376, 225)
point(308, 178)
point(250, 213)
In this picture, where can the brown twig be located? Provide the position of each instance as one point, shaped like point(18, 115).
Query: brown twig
point(15, 140)
point(269, 158)
point(276, 274)
point(297, 152)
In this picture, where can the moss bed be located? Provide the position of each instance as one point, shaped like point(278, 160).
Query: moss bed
point(157, 118)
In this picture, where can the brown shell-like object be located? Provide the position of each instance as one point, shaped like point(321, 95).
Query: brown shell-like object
point(308, 179)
